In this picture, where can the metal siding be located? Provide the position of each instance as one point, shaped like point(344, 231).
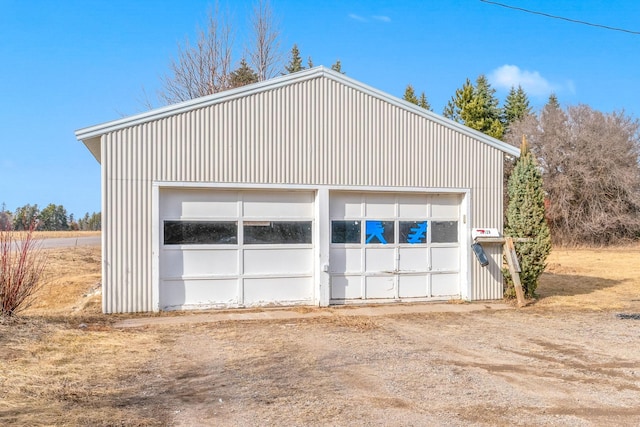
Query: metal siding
point(315, 132)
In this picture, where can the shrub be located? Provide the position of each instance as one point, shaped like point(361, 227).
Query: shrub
point(21, 265)
point(526, 218)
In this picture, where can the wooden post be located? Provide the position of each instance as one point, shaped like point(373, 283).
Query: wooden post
point(512, 260)
point(514, 269)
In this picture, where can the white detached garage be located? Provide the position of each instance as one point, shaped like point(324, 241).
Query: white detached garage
point(311, 188)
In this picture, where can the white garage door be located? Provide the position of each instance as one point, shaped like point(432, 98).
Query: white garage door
point(394, 246)
point(235, 248)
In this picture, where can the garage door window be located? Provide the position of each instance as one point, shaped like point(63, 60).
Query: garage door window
point(444, 232)
point(345, 231)
point(200, 232)
point(379, 232)
point(413, 232)
point(277, 232)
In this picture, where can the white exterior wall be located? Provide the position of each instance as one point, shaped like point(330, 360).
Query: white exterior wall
point(318, 131)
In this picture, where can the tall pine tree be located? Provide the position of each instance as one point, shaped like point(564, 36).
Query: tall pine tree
point(243, 75)
point(422, 102)
point(476, 107)
point(526, 218)
point(516, 106)
point(410, 95)
point(295, 62)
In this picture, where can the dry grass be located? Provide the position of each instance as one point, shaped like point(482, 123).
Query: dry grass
point(59, 374)
point(591, 279)
point(54, 372)
point(65, 364)
point(72, 278)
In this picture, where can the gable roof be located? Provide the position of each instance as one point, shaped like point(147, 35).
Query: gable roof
point(90, 136)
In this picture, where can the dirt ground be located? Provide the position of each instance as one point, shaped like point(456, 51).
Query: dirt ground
point(567, 359)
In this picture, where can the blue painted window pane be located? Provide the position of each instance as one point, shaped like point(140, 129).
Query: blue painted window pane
point(413, 232)
point(200, 233)
point(277, 232)
point(345, 231)
point(444, 232)
point(379, 232)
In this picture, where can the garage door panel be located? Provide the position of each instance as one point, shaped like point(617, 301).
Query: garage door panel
point(411, 207)
point(443, 259)
point(379, 259)
point(380, 206)
point(380, 287)
point(346, 206)
point(413, 286)
point(346, 287)
point(413, 259)
point(277, 290)
point(178, 263)
point(278, 205)
point(199, 204)
point(346, 260)
point(278, 261)
point(177, 293)
point(444, 285)
point(445, 206)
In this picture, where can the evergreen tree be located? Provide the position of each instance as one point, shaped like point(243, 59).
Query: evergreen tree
point(410, 95)
point(90, 223)
point(53, 218)
point(295, 63)
point(476, 107)
point(25, 217)
point(337, 67)
point(459, 102)
point(95, 222)
point(422, 102)
point(516, 106)
point(526, 218)
point(243, 75)
point(486, 114)
point(553, 101)
point(309, 62)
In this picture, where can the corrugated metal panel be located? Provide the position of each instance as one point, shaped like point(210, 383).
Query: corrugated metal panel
point(316, 132)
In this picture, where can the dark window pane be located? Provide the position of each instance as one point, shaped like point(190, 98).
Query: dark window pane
point(413, 232)
point(345, 231)
point(444, 231)
point(200, 233)
point(277, 232)
point(379, 232)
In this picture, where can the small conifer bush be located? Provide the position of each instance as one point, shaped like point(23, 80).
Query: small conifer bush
point(526, 218)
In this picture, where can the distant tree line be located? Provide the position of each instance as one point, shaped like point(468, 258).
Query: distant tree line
point(51, 218)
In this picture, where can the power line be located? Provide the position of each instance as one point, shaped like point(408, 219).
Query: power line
point(576, 21)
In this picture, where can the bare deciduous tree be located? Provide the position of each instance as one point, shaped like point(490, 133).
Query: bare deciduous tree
point(264, 53)
point(590, 165)
point(204, 68)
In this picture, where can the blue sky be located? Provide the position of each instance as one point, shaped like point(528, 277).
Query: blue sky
point(71, 64)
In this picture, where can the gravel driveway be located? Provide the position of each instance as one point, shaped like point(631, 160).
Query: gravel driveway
point(484, 368)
